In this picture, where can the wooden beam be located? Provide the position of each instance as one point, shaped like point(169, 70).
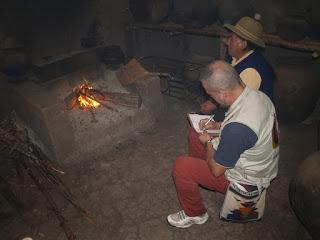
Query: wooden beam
point(217, 31)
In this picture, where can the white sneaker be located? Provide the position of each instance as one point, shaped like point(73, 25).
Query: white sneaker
point(181, 220)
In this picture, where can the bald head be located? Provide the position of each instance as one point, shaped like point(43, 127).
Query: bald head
point(220, 75)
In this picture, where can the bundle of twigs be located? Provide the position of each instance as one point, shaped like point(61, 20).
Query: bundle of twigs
point(16, 144)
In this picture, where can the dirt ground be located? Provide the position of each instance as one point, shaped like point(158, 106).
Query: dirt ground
point(129, 191)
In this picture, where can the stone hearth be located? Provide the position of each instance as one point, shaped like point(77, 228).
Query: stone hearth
point(68, 135)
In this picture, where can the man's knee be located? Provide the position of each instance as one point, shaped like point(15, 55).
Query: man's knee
point(193, 136)
point(180, 165)
point(192, 133)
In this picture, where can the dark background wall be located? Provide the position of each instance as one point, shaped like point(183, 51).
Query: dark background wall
point(48, 28)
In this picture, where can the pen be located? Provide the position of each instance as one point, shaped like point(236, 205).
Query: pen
point(210, 119)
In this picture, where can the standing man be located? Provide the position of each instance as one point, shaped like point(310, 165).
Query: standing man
point(243, 44)
point(245, 153)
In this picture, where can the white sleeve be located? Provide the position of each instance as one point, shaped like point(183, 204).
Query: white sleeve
point(215, 142)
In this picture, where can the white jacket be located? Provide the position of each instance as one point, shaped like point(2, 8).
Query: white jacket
point(259, 164)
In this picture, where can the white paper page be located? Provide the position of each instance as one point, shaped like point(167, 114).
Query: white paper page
point(196, 118)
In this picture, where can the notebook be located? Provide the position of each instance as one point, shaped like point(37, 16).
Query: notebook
point(194, 120)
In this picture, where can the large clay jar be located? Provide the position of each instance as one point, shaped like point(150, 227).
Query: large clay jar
point(313, 18)
point(304, 194)
point(194, 13)
point(269, 12)
point(14, 62)
point(292, 29)
point(13, 59)
point(230, 11)
point(296, 89)
point(153, 11)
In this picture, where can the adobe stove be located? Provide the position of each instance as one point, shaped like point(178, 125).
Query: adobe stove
point(80, 114)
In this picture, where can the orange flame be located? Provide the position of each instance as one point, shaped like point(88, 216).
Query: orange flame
point(86, 102)
point(85, 99)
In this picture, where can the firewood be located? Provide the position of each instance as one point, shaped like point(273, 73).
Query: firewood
point(90, 97)
point(104, 104)
point(123, 99)
point(63, 223)
point(16, 142)
point(71, 100)
point(12, 199)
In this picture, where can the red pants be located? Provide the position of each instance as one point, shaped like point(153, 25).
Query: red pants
point(196, 148)
point(190, 172)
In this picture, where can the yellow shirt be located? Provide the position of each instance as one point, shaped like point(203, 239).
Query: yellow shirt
point(249, 76)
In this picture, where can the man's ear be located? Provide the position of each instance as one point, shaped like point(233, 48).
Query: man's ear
point(243, 44)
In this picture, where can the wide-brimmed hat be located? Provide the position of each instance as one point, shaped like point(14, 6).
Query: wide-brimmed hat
point(248, 29)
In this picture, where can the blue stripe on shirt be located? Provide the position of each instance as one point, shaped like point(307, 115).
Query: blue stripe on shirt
point(235, 139)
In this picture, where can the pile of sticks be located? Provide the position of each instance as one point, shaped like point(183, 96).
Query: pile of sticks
point(15, 143)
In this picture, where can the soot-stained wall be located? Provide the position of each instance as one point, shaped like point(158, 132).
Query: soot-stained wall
point(49, 28)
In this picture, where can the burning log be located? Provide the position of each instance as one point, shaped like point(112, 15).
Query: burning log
point(15, 142)
point(90, 99)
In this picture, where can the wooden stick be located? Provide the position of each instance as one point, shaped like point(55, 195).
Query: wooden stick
point(17, 143)
point(124, 99)
point(215, 30)
point(11, 198)
point(102, 104)
point(63, 223)
point(20, 175)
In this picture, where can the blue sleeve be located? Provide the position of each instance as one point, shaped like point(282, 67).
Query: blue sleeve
point(235, 139)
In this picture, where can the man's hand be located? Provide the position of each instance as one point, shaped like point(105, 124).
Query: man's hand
point(207, 107)
point(216, 169)
point(204, 137)
point(209, 125)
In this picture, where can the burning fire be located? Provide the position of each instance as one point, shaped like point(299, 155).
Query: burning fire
point(86, 102)
point(85, 98)
point(88, 98)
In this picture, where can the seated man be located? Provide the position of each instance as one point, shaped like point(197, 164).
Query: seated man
point(243, 46)
point(245, 153)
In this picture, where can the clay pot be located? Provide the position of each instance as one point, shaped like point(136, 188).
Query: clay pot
point(194, 13)
point(296, 89)
point(269, 12)
point(314, 31)
point(304, 194)
point(154, 11)
point(313, 18)
point(14, 61)
point(230, 11)
point(292, 29)
point(113, 56)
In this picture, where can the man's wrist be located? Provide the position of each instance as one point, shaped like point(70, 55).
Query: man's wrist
point(209, 142)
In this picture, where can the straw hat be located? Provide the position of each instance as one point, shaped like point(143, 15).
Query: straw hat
point(248, 29)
